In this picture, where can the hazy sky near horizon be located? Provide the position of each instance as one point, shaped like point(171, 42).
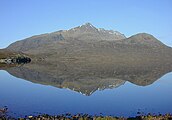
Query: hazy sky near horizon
point(24, 18)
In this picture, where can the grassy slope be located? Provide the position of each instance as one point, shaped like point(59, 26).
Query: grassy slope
point(5, 53)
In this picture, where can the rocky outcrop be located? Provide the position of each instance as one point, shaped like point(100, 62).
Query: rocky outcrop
point(9, 57)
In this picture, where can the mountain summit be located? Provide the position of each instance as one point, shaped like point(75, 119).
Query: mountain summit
point(88, 32)
point(88, 25)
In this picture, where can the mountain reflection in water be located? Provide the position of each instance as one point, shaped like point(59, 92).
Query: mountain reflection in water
point(87, 78)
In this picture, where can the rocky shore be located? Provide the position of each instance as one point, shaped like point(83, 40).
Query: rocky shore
point(88, 117)
point(15, 60)
point(68, 116)
point(10, 57)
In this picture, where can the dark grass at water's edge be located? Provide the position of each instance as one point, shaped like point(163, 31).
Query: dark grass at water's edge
point(89, 117)
point(68, 116)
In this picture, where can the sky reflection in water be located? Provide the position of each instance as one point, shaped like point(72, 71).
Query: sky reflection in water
point(23, 98)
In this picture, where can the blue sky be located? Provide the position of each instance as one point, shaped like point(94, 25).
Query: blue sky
point(20, 19)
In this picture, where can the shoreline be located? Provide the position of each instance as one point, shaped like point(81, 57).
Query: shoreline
point(68, 116)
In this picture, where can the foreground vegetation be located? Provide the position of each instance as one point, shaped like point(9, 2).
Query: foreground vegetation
point(87, 117)
point(68, 116)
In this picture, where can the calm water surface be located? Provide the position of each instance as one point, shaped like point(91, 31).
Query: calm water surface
point(26, 98)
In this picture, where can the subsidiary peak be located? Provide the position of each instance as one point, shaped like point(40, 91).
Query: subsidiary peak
point(145, 39)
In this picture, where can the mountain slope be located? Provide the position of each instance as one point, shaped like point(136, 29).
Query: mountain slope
point(143, 39)
point(86, 32)
point(34, 42)
point(88, 43)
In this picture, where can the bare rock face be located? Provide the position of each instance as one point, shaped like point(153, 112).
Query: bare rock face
point(88, 32)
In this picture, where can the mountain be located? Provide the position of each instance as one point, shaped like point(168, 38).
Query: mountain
point(86, 32)
point(90, 43)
